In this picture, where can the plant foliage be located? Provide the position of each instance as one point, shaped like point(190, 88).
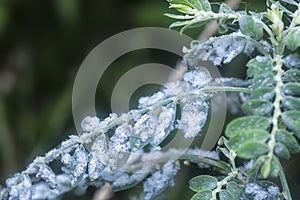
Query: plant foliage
point(268, 132)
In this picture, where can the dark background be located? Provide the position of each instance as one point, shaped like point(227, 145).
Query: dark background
point(42, 44)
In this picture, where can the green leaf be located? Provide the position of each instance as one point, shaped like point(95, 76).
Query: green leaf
point(184, 2)
point(179, 23)
point(263, 93)
point(250, 28)
point(195, 23)
point(292, 75)
point(266, 168)
point(258, 65)
point(288, 140)
point(203, 195)
point(187, 24)
point(222, 26)
point(252, 149)
point(252, 135)
point(291, 119)
point(173, 16)
point(224, 151)
point(246, 123)
point(224, 8)
point(203, 182)
point(257, 107)
point(196, 4)
point(205, 5)
point(292, 89)
point(263, 80)
point(292, 61)
point(222, 141)
point(291, 103)
point(183, 8)
point(293, 39)
point(235, 190)
point(225, 195)
point(275, 164)
point(281, 151)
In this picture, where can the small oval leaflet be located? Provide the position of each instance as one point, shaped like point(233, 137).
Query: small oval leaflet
point(203, 195)
point(203, 182)
point(264, 80)
point(291, 119)
point(291, 103)
point(159, 180)
point(288, 140)
point(281, 151)
point(251, 135)
point(251, 149)
point(143, 131)
point(266, 168)
point(292, 75)
point(292, 89)
point(193, 117)
point(257, 107)
point(263, 94)
point(251, 28)
point(292, 61)
point(246, 123)
point(165, 125)
point(95, 167)
point(293, 39)
point(79, 164)
point(225, 195)
point(258, 66)
point(198, 77)
point(275, 167)
point(235, 190)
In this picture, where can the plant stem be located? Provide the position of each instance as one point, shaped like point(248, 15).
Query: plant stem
point(221, 166)
point(276, 104)
point(286, 191)
point(222, 183)
point(224, 89)
point(153, 160)
point(279, 47)
point(126, 117)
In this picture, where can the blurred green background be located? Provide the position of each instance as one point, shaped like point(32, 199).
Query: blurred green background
point(42, 44)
